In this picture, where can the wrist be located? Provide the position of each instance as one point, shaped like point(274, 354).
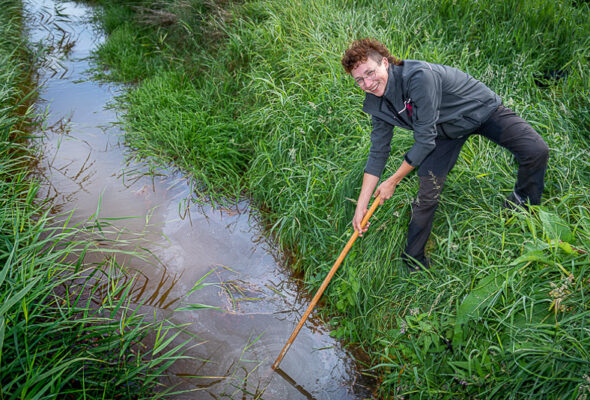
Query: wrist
point(394, 179)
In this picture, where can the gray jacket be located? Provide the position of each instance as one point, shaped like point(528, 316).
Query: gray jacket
point(430, 99)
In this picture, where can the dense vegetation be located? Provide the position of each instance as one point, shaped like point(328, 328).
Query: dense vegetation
point(67, 330)
point(250, 97)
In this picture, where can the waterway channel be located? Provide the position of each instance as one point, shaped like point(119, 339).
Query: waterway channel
point(85, 167)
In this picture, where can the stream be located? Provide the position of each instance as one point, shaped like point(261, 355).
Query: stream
point(85, 169)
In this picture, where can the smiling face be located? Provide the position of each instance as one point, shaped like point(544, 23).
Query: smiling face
point(371, 75)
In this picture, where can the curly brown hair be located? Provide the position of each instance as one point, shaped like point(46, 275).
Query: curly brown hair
point(362, 49)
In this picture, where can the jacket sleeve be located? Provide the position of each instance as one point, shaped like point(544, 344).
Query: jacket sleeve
point(425, 91)
point(380, 147)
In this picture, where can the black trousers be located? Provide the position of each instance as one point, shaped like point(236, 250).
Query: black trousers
point(505, 128)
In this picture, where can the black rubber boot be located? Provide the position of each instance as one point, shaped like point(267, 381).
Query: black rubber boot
point(514, 202)
point(415, 265)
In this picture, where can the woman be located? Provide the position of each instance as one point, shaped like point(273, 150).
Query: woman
point(443, 107)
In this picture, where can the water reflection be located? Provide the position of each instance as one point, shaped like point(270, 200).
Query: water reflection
point(253, 303)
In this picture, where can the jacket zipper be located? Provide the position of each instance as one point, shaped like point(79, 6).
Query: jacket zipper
point(407, 107)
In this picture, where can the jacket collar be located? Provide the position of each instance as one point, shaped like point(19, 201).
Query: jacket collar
point(393, 81)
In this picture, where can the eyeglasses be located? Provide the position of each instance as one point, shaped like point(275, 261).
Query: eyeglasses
point(361, 80)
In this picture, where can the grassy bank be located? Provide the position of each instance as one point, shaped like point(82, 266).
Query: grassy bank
point(250, 98)
point(67, 330)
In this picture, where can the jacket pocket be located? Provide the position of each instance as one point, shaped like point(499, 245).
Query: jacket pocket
point(467, 124)
point(472, 121)
point(460, 126)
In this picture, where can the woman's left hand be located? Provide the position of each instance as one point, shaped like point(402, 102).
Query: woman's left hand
point(385, 190)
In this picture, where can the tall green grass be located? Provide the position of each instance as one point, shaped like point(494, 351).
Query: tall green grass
point(265, 107)
point(59, 336)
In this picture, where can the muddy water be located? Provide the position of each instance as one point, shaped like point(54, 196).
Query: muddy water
point(257, 302)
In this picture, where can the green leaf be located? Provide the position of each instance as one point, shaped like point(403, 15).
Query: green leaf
point(2, 330)
point(566, 247)
point(473, 302)
point(199, 284)
point(196, 306)
point(20, 295)
point(427, 343)
point(356, 285)
point(555, 227)
point(534, 255)
point(478, 297)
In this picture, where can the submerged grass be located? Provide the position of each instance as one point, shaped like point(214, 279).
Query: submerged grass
point(59, 337)
point(250, 96)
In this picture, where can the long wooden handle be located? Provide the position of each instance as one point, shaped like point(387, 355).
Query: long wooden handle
point(324, 285)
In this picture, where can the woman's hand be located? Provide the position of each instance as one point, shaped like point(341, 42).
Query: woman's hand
point(359, 214)
point(385, 190)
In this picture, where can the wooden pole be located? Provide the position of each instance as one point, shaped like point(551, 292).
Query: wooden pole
point(320, 291)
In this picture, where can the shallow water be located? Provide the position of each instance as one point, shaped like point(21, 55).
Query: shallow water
point(84, 168)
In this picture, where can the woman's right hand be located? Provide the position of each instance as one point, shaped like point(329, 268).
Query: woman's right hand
point(369, 184)
point(359, 214)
